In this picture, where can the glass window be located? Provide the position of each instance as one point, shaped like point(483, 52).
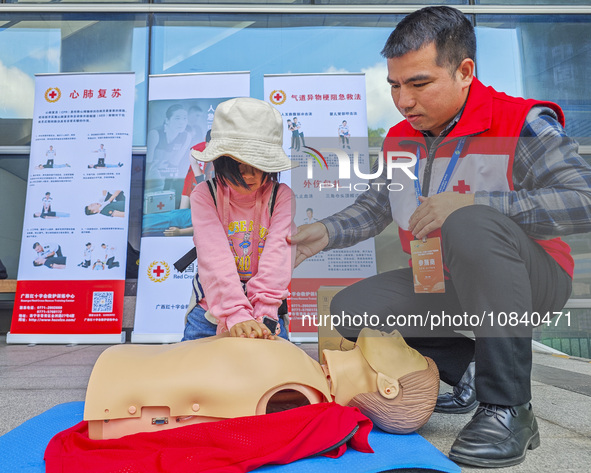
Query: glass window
point(13, 189)
point(48, 43)
point(76, 1)
point(543, 57)
point(580, 245)
point(569, 332)
point(532, 2)
point(276, 44)
point(240, 2)
point(392, 2)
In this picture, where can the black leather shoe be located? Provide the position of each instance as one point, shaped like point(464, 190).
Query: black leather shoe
point(463, 397)
point(497, 436)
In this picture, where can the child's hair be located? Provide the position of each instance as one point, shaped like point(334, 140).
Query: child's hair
point(227, 170)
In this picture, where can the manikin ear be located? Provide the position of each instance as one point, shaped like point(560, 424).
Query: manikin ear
point(388, 387)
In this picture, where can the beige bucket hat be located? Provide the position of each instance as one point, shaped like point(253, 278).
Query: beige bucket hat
point(250, 131)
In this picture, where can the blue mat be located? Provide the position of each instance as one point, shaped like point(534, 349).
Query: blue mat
point(22, 449)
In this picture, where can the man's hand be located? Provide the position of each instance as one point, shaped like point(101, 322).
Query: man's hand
point(251, 329)
point(434, 210)
point(310, 239)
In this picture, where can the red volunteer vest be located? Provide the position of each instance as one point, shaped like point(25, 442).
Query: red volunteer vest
point(493, 121)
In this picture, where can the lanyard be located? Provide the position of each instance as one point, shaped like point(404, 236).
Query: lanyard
point(448, 171)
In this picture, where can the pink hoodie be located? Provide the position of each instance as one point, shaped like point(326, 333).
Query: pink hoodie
point(240, 252)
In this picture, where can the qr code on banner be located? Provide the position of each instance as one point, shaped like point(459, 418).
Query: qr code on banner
point(102, 301)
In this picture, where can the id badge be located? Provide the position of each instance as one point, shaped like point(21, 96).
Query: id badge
point(427, 266)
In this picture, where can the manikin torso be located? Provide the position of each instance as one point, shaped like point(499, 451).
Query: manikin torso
point(135, 388)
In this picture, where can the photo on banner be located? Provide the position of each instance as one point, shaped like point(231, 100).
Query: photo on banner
point(325, 132)
point(71, 277)
point(180, 114)
point(174, 128)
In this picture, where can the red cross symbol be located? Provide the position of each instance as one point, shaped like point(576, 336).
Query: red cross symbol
point(158, 271)
point(278, 96)
point(52, 94)
point(160, 206)
point(462, 188)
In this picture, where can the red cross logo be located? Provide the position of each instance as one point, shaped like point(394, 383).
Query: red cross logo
point(277, 97)
point(53, 94)
point(160, 206)
point(158, 271)
point(462, 188)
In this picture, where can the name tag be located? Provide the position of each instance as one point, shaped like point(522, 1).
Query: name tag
point(427, 266)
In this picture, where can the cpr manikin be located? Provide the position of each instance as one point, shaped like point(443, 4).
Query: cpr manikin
point(136, 388)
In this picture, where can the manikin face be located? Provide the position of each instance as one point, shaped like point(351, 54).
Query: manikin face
point(252, 176)
point(426, 94)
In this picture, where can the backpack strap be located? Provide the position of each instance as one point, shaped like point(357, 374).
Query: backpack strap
point(273, 198)
point(212, 184)
point(184, 261)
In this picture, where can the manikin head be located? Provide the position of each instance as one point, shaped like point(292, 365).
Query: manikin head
point(388, 381)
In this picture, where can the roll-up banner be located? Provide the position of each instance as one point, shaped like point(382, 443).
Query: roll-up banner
point(71, 277)
point(325, 131)
point(180, 112)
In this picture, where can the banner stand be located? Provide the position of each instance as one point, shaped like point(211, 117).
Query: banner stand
point(325, 132)
point(66, 338)
point(72, 265)
point(156, 337)
point(303, 337)
point(181, 109)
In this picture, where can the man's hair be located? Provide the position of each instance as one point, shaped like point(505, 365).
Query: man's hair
point(88, 211)
point(448, 28)
point(227, 170)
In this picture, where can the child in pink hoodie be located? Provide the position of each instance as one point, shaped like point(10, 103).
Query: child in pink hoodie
point(240, 225)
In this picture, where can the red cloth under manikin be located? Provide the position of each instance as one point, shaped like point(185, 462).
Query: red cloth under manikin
point(229, 446)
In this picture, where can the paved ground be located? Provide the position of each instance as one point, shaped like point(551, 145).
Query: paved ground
point(35, 378)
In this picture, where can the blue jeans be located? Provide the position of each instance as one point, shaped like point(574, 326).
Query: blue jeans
point(199, 327)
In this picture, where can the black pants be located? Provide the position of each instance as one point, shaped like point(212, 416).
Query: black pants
point(494, 267)
point(111, 263)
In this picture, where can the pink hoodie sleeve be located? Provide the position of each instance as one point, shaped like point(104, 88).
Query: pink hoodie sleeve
point(268, 287)
point(215, 262)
